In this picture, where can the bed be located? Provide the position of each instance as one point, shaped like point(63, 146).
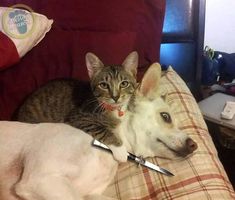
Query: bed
point(180, 44)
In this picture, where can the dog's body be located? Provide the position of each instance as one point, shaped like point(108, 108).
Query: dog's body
point(56, 162)
point(43, 162)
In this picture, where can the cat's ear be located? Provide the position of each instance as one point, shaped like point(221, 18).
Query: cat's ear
point(93, 64)
point(149, 86)
point(131, 63)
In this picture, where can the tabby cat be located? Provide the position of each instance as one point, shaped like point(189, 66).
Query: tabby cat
point(94, 107)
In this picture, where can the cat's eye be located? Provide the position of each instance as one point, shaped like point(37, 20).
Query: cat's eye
point(166, 117)
point(104, 85)
point(124, 84)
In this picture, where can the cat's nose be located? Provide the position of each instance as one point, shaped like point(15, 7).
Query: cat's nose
point(115, 98)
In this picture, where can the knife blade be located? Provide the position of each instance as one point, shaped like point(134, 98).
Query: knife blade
point(138, 160)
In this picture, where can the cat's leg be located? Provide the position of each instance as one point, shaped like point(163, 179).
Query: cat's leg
point(98, 125)
point(120, 153)
point(47, 188)
point(98, 197)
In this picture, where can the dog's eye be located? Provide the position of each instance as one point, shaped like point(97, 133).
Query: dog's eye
point(166, 117)
point(124, 84)
point(104, 85)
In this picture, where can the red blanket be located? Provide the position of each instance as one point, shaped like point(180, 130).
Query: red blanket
point(8, 52)
point(110, 29)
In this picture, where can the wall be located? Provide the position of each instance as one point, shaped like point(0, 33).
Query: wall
point(220, 25)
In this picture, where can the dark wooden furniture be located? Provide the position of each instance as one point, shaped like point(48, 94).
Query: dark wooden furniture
point(183, 40)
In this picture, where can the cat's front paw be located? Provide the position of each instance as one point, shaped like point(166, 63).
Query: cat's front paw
point(120, 153)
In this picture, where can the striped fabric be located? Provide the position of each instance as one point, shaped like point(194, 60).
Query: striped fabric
point(200, 176)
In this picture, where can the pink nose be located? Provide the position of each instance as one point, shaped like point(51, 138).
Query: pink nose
point(191, 145)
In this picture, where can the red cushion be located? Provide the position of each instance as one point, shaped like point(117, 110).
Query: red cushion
point(8, 52)
point(110, 29)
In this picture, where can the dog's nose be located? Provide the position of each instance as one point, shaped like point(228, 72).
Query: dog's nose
point(191, 145)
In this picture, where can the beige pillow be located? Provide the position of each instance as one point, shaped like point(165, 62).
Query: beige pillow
point(25, 28)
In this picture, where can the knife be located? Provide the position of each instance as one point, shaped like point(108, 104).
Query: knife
point(136, 159)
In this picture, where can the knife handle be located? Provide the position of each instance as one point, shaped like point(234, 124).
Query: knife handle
point(130, 157)
point(135, 158)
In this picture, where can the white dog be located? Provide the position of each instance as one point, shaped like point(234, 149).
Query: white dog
point(57, 162)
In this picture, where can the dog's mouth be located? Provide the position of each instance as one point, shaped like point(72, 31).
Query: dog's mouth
point(183, 151)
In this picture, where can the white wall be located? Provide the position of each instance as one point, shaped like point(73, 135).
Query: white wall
point(220, 25)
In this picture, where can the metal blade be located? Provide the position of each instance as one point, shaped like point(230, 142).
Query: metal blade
point(157, 168)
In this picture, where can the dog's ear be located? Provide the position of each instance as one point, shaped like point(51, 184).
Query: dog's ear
point(93, 64)
point(164, 96)
point(149, 85)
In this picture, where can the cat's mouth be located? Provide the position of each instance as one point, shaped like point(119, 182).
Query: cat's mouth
point(113, 106)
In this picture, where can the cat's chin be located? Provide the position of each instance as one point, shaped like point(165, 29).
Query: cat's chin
point(117, 104)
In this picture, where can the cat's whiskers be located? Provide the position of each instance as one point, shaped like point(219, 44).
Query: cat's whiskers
point(99, 106)
point(89, 102)
point(102, 107)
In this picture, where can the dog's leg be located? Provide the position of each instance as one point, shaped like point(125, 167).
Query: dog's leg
point(6, 183)
point(98, 197)
point(47, 188)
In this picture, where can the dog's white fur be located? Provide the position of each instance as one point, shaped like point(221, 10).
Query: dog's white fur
point(56, 161)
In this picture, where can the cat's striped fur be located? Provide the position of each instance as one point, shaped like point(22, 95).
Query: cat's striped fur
point(81, 104)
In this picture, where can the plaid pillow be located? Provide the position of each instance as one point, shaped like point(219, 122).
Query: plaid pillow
point(200, 176)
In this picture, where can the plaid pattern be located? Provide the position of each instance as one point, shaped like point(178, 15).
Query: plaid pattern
point(198, 177)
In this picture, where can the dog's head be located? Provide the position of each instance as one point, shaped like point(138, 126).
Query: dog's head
point(156, 132)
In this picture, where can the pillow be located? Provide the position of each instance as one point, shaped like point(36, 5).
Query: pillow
point(200, 176)
point(20, 31)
